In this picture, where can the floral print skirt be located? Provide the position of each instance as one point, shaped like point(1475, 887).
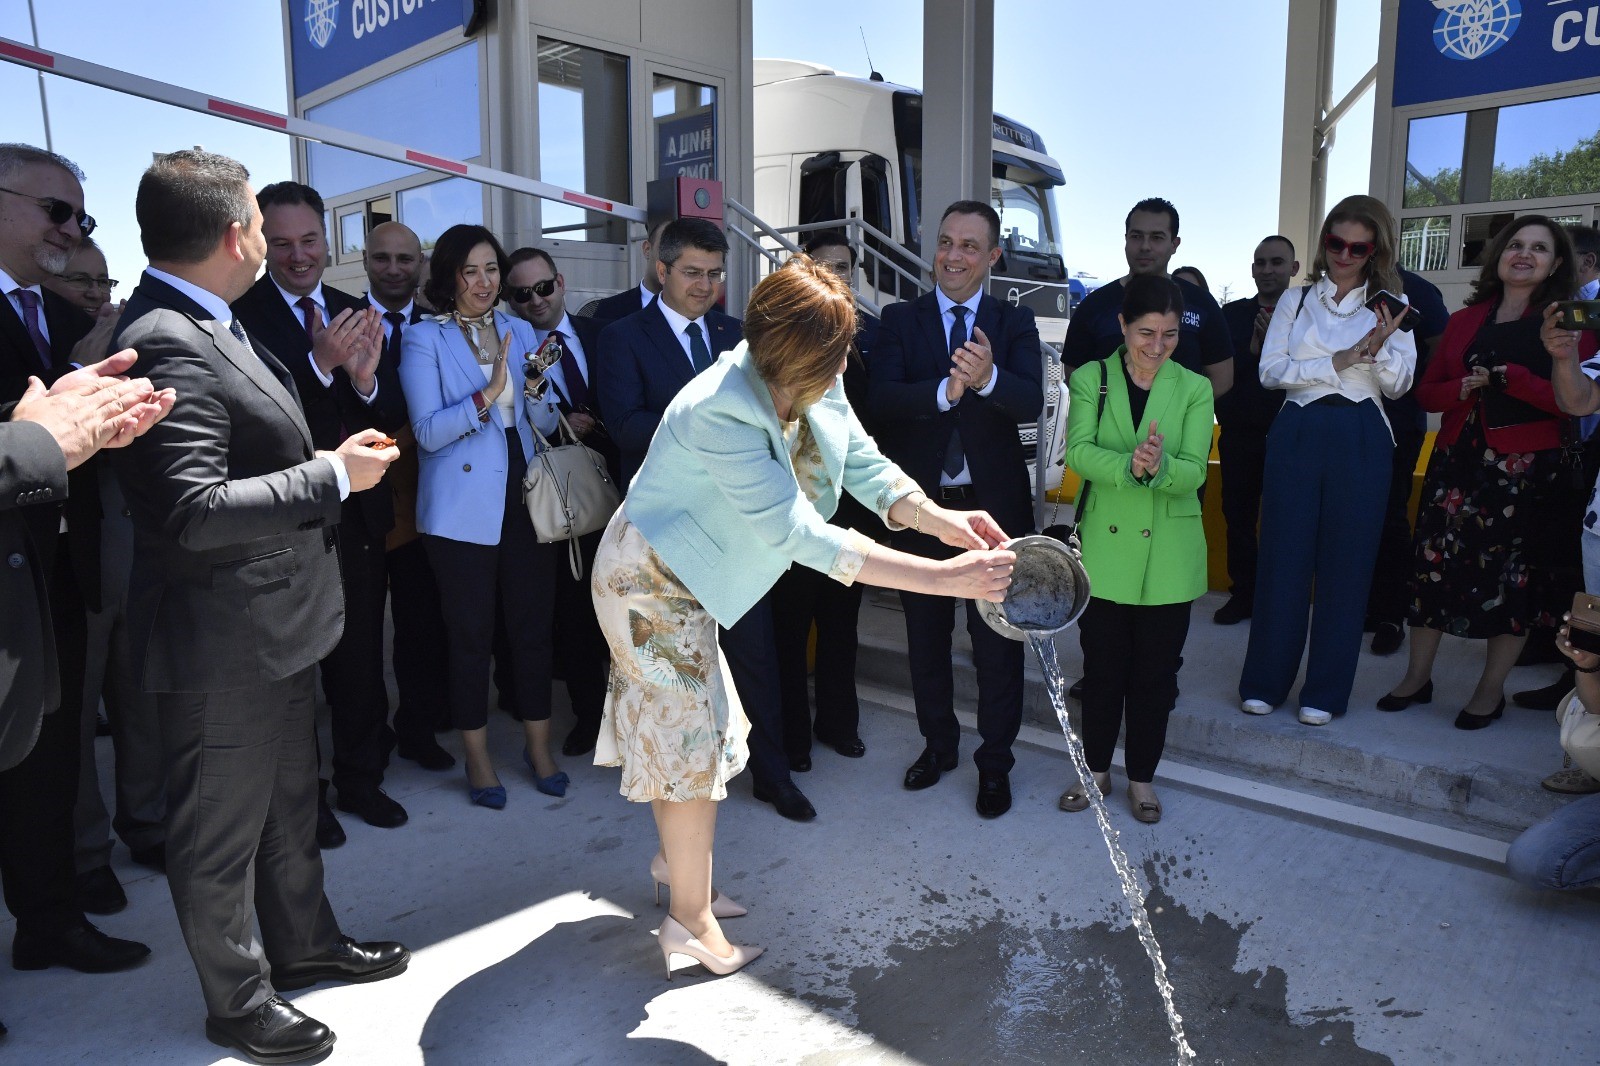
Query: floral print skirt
point(1475, 520)
point(672, 720)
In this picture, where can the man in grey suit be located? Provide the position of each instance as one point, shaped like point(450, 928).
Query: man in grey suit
point(235, 599)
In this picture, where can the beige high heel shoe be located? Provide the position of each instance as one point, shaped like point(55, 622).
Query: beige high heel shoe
point(676, 940)
point(721, 906)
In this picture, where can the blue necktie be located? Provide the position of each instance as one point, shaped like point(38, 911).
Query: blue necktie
point(954, 458)
point(699, 354)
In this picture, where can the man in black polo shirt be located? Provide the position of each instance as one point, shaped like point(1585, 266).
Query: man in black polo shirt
point(1151, 238)
point(1245, 414)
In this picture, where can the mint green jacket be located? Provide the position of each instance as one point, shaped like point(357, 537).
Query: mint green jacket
point(717, 497)
point(1142, 543)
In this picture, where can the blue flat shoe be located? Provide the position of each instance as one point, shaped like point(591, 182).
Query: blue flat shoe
point(554, 785)
point(493, 797)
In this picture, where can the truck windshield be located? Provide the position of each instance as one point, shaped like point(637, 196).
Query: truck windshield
point(1026, 226)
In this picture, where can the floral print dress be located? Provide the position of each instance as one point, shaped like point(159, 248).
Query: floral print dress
point(672, 717)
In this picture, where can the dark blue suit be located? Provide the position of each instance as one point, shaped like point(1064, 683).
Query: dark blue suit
point(618, 305)
point(641, 368)
point(911, 355)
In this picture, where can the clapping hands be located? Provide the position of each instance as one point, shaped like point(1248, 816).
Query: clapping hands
point(1147, 456)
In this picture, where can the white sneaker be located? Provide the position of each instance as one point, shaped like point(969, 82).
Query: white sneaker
point(1256, 707)
point(1312, 716)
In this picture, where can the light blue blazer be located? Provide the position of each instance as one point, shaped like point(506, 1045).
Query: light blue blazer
point(461, 489)
point(717, 496)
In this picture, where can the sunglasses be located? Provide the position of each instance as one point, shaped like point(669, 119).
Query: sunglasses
point(542, 289)
point(1338, 245)
point(58, 211)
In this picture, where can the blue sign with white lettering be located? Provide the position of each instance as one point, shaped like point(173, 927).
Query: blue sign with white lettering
point(330, 39)
point(686, 144)
point(1452, 48)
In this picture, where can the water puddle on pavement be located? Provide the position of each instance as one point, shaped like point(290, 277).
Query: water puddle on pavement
point(1045, 648)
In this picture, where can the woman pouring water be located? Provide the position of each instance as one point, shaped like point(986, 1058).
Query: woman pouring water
point(746, 466)
point(1139, 434)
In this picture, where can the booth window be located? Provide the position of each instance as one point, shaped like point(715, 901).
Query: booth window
point(433, 208)
point(1548, 148)
point(1434, 151)
point(1425, 243)
point(583, 137)
point(433, 106)
point(685, 116)
point(353, 234)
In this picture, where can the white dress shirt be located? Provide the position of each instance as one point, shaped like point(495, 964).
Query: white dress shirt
point(947, 319)
point(569, 340)
point(9, 285)
point(388, 327)
point(679, 324)
point(1297, 354)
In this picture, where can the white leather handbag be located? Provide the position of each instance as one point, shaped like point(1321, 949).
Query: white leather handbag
point(568, 491)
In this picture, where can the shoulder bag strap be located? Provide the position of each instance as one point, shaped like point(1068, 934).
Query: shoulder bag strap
point(1100, 411)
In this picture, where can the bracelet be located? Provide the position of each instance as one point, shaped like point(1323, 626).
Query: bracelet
point(1586, 669)
point(482, 405)
point(916, 516)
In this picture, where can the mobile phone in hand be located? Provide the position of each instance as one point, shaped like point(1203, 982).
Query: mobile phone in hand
point(1578, 314)
point(1399, 310)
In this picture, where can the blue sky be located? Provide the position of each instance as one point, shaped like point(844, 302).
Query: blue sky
point(1160, 97)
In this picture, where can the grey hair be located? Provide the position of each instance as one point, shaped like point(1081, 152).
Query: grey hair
point(15, 156)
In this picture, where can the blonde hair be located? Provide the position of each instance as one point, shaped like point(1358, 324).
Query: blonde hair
point(1381, 270)
point(800, 322)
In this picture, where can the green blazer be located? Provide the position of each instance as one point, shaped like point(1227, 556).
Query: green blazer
point(1143, 543)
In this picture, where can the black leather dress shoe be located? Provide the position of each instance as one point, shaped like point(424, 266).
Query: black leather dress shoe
point(1076, 691)
point(276, 1031)
point(428, 755)
point(789, 801)
point(82, 947)
point(926, 770)
point(99, 892)
point(155, 856)
point(330, 834)
point(849, 747)
point(581, 740)
point(1547, 698)
point(374, 806)
point(994, 794)
point(1387, 638)
point(347, 961)
point(1236, 610)
point(800, 764)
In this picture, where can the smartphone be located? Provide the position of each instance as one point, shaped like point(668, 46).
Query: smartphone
point(1399, 310)
point(1579, 314)
point(1583, 639)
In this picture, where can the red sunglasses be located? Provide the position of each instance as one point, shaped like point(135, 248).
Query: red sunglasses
point(1359, 249)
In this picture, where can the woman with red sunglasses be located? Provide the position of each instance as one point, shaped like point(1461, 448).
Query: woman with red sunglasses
point(1326, 483)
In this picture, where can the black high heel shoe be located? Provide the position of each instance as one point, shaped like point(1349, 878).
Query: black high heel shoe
point(1391, 702)
point(1479, 721)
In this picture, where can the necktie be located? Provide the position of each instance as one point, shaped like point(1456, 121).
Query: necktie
point(954, 457)
point(30, 318)
point(577, 388)
point(308, 311)
point(391, 351)
point(699, 354)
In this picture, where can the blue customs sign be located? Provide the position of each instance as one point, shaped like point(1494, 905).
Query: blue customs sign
point(330, 39)
point(1453, 48)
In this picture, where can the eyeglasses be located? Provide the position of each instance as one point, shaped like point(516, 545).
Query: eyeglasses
point(542, 289)
point(88, 281)
point(58, 211)
point(692, 275)
point(1338, 245)
point(840, 267)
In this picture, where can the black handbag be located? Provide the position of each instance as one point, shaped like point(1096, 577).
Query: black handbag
point(1064, 531)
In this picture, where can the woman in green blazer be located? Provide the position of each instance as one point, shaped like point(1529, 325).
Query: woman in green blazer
point(1142, 456)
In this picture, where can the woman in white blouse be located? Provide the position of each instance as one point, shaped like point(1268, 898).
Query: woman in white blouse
point(1328, 458)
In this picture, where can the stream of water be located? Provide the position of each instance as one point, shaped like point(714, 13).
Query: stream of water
point(1044, 647)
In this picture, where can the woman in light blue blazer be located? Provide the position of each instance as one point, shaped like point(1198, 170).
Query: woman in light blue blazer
point(471, 412)
point(746, 466)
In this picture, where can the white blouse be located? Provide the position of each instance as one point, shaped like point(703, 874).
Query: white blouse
point(1297, 354)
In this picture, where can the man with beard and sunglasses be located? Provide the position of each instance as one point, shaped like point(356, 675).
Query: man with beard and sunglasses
point(537, 294)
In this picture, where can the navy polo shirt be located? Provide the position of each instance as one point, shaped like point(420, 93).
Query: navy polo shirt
point(1093, 333)
point(1248, 403)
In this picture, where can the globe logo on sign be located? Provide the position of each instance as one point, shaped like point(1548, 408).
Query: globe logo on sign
point(322, 19)
point(1472, 29)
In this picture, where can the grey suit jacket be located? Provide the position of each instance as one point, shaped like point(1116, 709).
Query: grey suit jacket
point(32, 472)
point(236, 582)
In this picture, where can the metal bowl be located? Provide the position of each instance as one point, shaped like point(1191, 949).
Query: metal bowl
point(1049, 589)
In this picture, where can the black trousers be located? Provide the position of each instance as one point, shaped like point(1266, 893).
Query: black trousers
point(804, 596)
point(518, 573)
point(352, 674)
point(241, 835)
point(1242, 456)
point(751, 651)
point(930, 624)
point(1131, 654)
point(582, 657)
point(37, 796)
point(1390, 595)
point(420, 663)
